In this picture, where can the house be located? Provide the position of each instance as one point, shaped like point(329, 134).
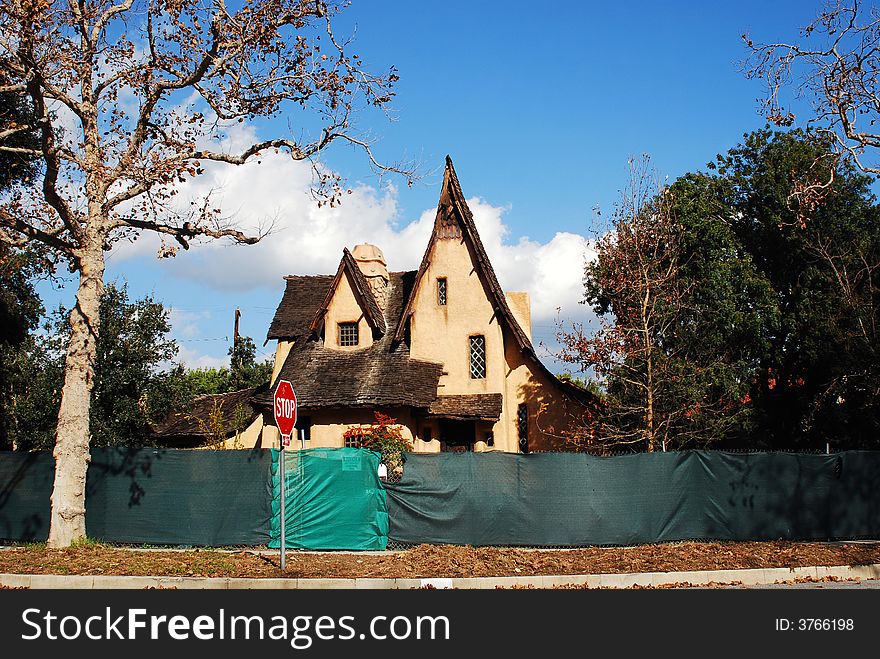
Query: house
point(443, 350)
point(228, 420)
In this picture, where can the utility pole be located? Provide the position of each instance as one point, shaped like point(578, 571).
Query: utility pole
point(235, 335)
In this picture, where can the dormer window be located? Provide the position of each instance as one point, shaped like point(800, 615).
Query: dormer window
point(348, 334)
point(441, 291)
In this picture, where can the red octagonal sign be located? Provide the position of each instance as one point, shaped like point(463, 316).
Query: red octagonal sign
point(285, 408)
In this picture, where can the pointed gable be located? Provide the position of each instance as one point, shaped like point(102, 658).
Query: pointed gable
point(455, 220)
point(360, 288)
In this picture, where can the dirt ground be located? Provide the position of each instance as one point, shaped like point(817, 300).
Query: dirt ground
point(435, 561)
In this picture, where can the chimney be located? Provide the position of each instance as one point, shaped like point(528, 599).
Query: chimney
point(371, 261)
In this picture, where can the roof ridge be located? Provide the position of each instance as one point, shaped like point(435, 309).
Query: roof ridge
point(361, 291)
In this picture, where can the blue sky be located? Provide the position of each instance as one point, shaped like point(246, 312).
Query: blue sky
point(540, 107)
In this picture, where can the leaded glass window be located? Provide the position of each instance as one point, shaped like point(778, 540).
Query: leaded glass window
point(348, 334)
point(478, 357)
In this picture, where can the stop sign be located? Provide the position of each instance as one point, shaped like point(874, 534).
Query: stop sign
point(285, 408)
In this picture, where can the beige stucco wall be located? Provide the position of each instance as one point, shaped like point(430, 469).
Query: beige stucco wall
point(344, 308)
point(551, 411)
point(282, 350)
point(328, 426)
point(440, 333)
point(249, 437)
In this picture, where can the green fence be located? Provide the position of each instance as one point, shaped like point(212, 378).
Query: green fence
point(564, 499)
point(335, 500)
point(153, 496)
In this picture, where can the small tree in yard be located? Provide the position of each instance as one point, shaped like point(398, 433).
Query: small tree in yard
point(663, 385)
point(129, 99)
point(384, 437)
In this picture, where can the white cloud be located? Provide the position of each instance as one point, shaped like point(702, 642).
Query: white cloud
point(194, 358)
point(309, 240)
point(185, 324)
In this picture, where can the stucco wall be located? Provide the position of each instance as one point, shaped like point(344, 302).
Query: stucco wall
point(551, 411)
point(282, 350)
point(344, 308)
point(328, 426)
point(440, 333)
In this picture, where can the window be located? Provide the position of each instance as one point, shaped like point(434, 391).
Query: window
point(426, 434)
point(522, 426)
point(348, 334)
point(490, 438)
point(478, 357)
point(303, 428)
point(441, 291)
point(352, 442)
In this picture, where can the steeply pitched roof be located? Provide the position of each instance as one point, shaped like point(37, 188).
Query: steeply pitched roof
point(362, 294)
point(302, 295)
point(467, 407)
point(453, 213)
point(186, 425)
point(383, 374)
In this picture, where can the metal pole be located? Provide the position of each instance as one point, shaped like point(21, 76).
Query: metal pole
point(302, 475)
point(283, 515)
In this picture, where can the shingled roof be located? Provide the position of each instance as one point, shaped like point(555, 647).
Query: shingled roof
point(467, 407)
point(383, 374)
point(302, 296)
point(186, 426)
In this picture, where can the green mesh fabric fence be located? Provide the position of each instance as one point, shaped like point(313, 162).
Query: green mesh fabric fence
point(564, 499)
point(25, 488)
point(154, 496)
point(334, 500)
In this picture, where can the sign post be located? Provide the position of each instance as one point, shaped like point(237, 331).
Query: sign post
point(285, 418)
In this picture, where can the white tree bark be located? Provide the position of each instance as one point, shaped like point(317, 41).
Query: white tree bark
point(68, 522)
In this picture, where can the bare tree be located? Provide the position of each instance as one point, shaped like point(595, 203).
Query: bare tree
point(131, 98)
point(836, 66)
point(633, 278)
point(660, 390)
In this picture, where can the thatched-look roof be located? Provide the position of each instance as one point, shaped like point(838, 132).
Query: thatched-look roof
point(234, 407)
point(467, 407)
point(382, 375)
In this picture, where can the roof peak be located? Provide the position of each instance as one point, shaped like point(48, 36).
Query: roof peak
point(454, 219)
point(361, 290)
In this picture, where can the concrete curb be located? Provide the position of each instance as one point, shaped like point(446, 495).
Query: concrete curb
point(760, 576)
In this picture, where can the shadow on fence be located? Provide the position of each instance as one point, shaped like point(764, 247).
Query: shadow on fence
point(215, 498)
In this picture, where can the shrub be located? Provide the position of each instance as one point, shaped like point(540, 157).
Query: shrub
point(384, 437)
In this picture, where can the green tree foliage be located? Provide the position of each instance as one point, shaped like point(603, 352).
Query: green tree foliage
point(20, 311)
point(20, 306)
point(747, 308)
point(135, 382)
point(244, 372)
point(679, 312)
point(16, 116)
point(810, 224)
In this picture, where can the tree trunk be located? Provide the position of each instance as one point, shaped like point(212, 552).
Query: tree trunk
point(68, 522)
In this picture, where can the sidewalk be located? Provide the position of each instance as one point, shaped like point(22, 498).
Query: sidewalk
point(646, 579)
